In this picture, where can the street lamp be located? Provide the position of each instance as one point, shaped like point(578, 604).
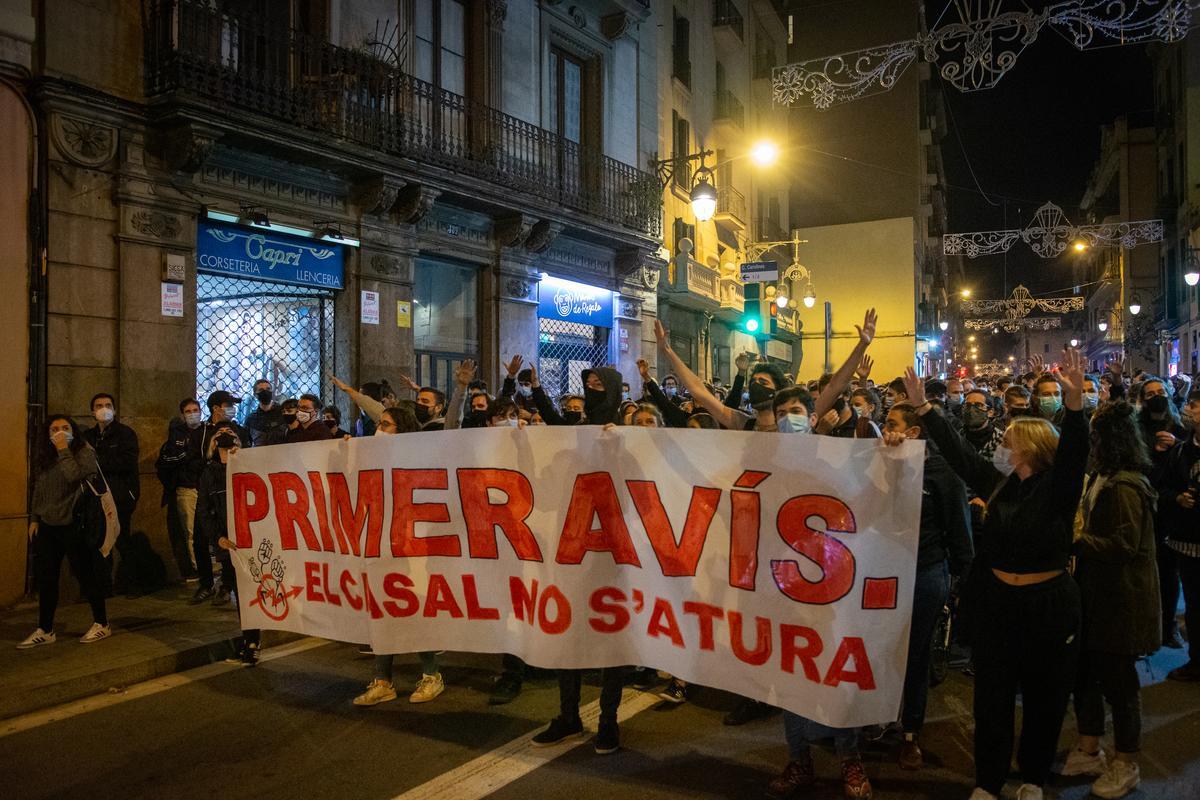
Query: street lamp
point(704, 196)
point(781, 299)
point(810, 296)
point(1102, 326)
point(1074, 343)
point(1135, 305)
point(1191, 273)
point(1080, 246)
point(764, 153)
point(944, 325)
point(965, 293)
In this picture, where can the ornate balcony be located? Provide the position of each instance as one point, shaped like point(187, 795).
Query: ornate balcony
point(731, 208)
point(727, 108)
point(696, 286)
point(727, 16)
point(733, 299)
point(200, 59)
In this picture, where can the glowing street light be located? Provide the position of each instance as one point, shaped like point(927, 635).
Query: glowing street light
point(971, 338)
point(704, 198)
point(1080, 246)
point(965, 293)
point(1102, 326)
point(810, 297)
point(1074, 343)
point(944, 325)
point(1135, 305)
point(764, 153)
point(1191, 277)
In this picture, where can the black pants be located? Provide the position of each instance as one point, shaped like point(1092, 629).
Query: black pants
point(1189, 576)
point(49, 546)
point(1028, 640)
point(1112, 677)
point(126, 580)
point(570, 682)
point(512, 667)
point(1168, 584)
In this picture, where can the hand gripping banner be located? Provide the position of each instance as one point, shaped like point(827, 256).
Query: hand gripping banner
point(779, 567)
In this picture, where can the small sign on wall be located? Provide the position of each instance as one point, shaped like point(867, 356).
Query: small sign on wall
point(403, 314)
point(172, 299)
point(370, 308)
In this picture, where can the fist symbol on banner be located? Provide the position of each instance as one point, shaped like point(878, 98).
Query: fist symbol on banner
point(265, 549)
point(277, 569)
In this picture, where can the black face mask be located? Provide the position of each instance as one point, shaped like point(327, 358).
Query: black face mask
point(289, 418)
point(572, 417)
point(974, 418)
point(424, 413)
point(1156, 405)
point(476, 419)
point(331, 424)
point(265, 396)
point(761, 395)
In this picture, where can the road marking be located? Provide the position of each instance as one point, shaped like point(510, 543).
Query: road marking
point(153, 686)
point(508, 762)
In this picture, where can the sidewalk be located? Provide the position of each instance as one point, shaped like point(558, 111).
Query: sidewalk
point(154, 635)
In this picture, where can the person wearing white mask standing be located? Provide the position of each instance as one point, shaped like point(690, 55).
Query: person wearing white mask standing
point(116, 446)
point(309, 426)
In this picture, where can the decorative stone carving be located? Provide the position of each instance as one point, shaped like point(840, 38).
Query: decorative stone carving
point(542, 235)
point(497, 13)
point(518, 289)
point(156, 224)
point(512, 231)
point(378, 195)
point(187, 147)
point(414, 202)
point(641, 268)
point(577, 16)
point(384, 265)
point(630, 309)
point(83, 142)
point(614, 26)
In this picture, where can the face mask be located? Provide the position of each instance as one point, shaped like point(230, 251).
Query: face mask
point(1091, 399)
point(794, 423)
point(476, 419)
point(572, 417)
point(1049, 405)
point(669, 391)
point(380, 432)
point(525, 391)
point(304, 416)
point(289, 418)
point(513, 422)
point(104, 415)
point(761, 395)
point(265, 396)
point(69, 436)
point(953, 402)
point(1157, 405)
point(229, 411)
point(625, 396)
point(192, 419)
point(1002, 460)
point(424, 413)
point(974, 418)
point(331, 424)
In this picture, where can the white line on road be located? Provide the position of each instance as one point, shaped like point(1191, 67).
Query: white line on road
point(96, 702)
point(508, 762)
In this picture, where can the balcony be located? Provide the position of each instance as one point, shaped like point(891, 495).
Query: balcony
point(727, 17)
point(231, 70)
point(769, 230)
point(728, 109)
point(733, 299)
point(695, 286)
point(681, 66)
point(731, 208)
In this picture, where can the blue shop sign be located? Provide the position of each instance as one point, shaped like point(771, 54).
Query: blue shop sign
point(266, 256)
point(575, 302)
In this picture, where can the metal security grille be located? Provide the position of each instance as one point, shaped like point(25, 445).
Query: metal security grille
point(565, 349)
point(246, 330)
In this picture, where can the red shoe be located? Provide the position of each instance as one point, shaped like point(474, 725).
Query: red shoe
point(854, 780)
point(796, 775)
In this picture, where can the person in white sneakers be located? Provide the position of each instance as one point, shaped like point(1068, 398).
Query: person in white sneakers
point(57, 528)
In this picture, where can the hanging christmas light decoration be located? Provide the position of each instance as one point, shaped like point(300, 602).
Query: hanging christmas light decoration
point(975, 52)
point(1016, 309)
point(1050, 233)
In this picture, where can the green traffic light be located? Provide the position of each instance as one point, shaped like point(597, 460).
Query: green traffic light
point(752, 325)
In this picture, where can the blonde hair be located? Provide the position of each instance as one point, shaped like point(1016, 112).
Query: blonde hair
point(1036, 439)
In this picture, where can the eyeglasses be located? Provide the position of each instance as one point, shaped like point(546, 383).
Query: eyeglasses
point(976, 405)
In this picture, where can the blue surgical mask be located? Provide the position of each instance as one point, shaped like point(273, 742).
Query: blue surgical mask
point(669, 390)
point(1091, 399)
point(525, 391)
point(1002, 460)
point(1049, 405)
point(794, 423)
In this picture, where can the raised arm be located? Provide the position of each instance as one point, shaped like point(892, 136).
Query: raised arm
point(734, 398)
point(691, 381)
point(975, 470)
point(546, 409)
point(370, 406)
point(673, 415)
point(463, 374)
point(841, 378)
point(1070, 460)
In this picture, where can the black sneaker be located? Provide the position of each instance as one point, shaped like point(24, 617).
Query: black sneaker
point(249, 656)
point(201, 595)
point(674, 692)
point(505, 690)
point(747, 711)
point(559, 731)
point(608, 738)
point(644, 679)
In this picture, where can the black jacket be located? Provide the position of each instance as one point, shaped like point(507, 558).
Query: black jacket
point(1179, 472)
point(945, 517)
point(198, 455)
point(599, 407)
point(117, 453)
point(260, 424)
point(172, 460)
point(673, 415)
point(210, 501)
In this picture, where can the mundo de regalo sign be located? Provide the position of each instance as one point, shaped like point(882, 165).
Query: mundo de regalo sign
point(782, 570)
point(575, 302)
point(261, 255)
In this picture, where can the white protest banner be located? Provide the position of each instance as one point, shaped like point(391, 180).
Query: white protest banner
point(779, 567)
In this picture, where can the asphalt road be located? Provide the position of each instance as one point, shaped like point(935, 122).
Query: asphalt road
point(287, 729)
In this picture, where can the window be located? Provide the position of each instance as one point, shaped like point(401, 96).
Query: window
point(445, 319)
point(680, 148)
point(683, 230)
point(681, 51)
point(566, 95)
point(439, 38)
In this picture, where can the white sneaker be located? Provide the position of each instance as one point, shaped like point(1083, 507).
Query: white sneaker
point(1081, 763)
point(982, 794)
point(36, 639)
point(378, 691)
point(1121, 778)
point(428, 688)
point(96, 633)
point(1028, 791)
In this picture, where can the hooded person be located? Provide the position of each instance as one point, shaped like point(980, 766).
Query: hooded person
point(601, 399)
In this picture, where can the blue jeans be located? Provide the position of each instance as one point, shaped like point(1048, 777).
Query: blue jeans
point(932, 589)
point(801, 732)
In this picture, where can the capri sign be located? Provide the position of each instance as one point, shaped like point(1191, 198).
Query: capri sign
point(260, 255)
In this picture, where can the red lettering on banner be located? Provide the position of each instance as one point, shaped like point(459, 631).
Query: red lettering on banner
point(330, 597)
point(312, 582)
point(318, 495)
point(406, 513)
point(790, 651)
point(471, 596)
point(663, 622)
point(347, 586)
point(348, 520)
point(608, 601)
point(834, 558)
point(595, 496)
point(399, 588)
point(705, 614)
point(675, 559)
point(562, 619)
point(851, 648)
point(245, 486)
point(440, 598)
point(762, 646)
point(744, 525)
point(524, 599)
point(483, 517)
point(369, 599)
point(291, 511)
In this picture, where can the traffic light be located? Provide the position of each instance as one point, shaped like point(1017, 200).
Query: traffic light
point(759, 316)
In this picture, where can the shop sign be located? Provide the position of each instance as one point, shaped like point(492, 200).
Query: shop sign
point(575, 302)
point(257, 255)
point(172, 299)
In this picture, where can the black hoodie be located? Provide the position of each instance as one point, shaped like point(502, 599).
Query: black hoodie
point(599, 407)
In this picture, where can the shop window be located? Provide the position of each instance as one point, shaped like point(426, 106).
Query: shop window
point(445, 320)
point(565, 350)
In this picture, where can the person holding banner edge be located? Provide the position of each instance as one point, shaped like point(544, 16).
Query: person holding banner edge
point(1019, 583)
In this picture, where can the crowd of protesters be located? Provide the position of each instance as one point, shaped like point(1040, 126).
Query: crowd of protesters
point(1060, 504)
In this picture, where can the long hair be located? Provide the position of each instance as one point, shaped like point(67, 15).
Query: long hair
point(1036, 438)
point(1149, 426)
point(403, 417)
point(47, 453)
point(1117, 441)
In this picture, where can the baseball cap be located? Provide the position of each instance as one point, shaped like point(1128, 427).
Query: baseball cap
point(221, 397)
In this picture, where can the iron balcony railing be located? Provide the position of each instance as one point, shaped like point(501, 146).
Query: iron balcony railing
point(726, 13)
point(731, 201)
point(727, 106)
point(237, 61)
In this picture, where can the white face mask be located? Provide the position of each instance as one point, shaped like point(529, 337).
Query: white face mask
point(229, 411)
point(1002, 460)
point(381, 432)
point(192, 418)
point(304, 417)
point(513, 422)
point(794, 423)
point(103, 415)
